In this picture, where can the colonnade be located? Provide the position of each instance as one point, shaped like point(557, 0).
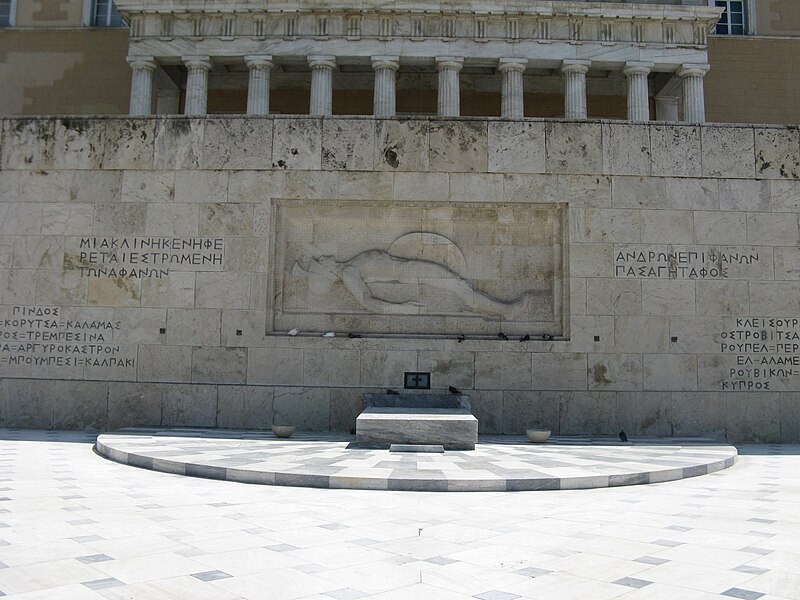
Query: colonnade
point(448, 69)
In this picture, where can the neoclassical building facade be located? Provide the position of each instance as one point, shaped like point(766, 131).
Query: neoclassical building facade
point(655, 55)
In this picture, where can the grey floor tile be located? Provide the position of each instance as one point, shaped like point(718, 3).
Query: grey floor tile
point(651, 560)
point(742, 594)
point(496, 595)
point(210, 575)
point(101, 584)
point(440, 560)
point(632, 582)
point(667, 543)
point(751, 570)
point(282, 547)
point(756, 550)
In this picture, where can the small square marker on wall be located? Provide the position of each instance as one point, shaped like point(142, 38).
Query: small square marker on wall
point(597, 338)
point(674, 338)
point(417, 381)
point(162, 330)
point(238, 332)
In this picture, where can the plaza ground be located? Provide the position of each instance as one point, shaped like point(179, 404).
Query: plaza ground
point(74, 525)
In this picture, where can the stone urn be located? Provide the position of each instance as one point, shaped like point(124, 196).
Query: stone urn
point(538, 436)
point(283, 431)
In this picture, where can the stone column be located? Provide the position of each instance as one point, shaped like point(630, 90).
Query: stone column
point(511, 105)
point(574, 72)
point(258, 85)
point(141, 84)
point(321, 84)
point(638, 92)
point(666, 108)
point(449, 93)
point(694, 103)
point(196, 101)
point(385, 97)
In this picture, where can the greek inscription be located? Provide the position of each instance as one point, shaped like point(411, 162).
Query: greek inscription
point(659, 262)
point(143, 257)
point(42, 336)
point(762, 354)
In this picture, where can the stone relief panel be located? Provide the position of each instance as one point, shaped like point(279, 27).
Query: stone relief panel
point(409, 268)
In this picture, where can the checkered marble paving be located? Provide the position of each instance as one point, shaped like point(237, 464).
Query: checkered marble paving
point(499, 463)
point(74, 526)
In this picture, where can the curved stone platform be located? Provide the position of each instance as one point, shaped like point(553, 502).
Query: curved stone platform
point(498, 463)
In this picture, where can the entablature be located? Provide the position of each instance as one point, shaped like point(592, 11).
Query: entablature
point(543, 22)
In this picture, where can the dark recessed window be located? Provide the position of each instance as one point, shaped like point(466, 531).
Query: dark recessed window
point(105, 14)
point(7, 13)
point(732, 21)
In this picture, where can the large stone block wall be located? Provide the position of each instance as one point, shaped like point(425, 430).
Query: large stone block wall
point(680, 304)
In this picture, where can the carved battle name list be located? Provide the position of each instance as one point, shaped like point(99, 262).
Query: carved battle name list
point(696, 262)
point(763, 354)
point(143, 257)
point(42, 336)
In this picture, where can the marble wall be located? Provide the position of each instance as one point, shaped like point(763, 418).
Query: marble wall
point(145, 263)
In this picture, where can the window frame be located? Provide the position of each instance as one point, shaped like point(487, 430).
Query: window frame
point(12, 15)
point(746, 18)
point(90, 15)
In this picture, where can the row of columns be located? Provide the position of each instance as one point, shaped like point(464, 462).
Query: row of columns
point(449, 103)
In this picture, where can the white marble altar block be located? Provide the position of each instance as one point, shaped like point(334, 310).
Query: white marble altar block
point(418, 268)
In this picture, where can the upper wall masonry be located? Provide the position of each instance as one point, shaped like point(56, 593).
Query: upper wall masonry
point(520, 40)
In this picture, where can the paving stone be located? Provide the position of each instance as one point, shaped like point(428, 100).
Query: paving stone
point(743, 594)
point(210, 575)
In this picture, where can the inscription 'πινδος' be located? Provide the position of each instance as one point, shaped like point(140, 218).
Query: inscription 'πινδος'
point(760, 354)
point(142, 257)
point(682, 262)
point(44, 336)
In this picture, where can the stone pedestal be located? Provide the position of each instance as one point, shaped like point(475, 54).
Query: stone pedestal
point(449, 104)
point(430, 419)
point(452, 428)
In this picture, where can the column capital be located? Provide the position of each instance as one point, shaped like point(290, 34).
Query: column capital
point(254, 61)
point(637, 67)
point(693, 70)
point(197, 62)
point(386, 62)
point(449, 62)
point(512, 64)
point(575, 66)
point(322, 61)
point(142, 62)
